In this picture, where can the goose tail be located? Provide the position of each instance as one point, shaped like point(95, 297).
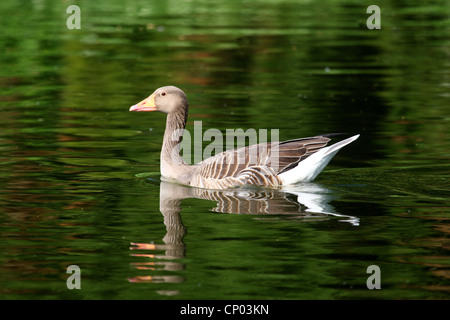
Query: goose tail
point(308, 169)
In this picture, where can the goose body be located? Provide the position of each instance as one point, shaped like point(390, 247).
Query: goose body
point(270, 164)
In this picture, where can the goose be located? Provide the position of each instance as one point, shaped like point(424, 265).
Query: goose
point(271, 164)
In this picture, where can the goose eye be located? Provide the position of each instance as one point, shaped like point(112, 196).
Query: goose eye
point(163, 93)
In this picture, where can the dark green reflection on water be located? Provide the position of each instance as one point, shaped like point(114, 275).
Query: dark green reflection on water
point(73, 186)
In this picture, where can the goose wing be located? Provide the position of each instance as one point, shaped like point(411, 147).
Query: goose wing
point(256, 164)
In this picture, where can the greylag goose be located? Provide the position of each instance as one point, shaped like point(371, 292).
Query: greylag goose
point(271, 164)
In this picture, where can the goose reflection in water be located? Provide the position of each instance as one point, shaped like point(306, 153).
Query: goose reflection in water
point(308, 200)
point(303, 202)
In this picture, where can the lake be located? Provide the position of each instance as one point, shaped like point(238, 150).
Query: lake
point(80, 176)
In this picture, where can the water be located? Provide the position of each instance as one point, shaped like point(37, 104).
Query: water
point(80, 174)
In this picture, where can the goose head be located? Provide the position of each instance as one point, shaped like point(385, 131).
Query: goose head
point(167, 99)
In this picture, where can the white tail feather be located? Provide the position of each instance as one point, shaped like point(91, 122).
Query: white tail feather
point(309, 169)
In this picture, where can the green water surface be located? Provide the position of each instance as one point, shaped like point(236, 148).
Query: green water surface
point(79, 174)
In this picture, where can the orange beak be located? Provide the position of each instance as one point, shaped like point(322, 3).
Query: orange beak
point(147, 104)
